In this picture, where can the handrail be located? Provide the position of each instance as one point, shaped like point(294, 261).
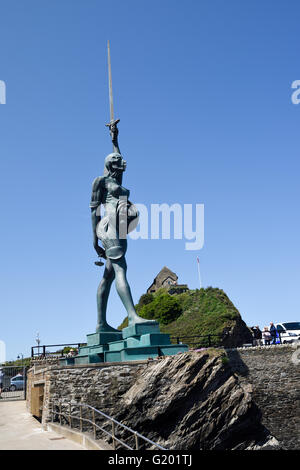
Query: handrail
point(218, 335)
point(45, 353)
point(195, 339)
point(113, 422)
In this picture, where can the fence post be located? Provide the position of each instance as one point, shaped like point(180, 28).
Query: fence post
point(136, 441)
point(177, 339)
point(94, 424)
point(70, 415)
point(80, 407)
point(60, 413)
point(113, 434)
point(44, 351)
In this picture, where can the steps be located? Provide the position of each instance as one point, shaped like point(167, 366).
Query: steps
point(136, 342)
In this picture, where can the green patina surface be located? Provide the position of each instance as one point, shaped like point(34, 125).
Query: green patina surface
point(102, 338)
point(136, 342)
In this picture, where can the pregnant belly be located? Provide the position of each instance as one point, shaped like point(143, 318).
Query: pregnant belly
point(113, 228)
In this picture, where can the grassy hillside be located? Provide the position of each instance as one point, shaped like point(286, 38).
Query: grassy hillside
point(196, 312)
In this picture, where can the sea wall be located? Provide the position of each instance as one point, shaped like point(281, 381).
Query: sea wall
point(274, 373)
point(211, 399)
point(101, 386)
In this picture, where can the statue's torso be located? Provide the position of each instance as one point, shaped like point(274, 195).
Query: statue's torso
point(109, 192)
point(112, 192)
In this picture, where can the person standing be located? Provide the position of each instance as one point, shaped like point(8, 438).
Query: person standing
point(266, 335)
point(258, 336)
point(273, 332)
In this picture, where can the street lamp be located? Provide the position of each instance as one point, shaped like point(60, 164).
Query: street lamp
point(38, 342)
point(18, 357)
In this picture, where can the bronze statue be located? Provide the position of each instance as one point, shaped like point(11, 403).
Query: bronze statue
point(121, 217)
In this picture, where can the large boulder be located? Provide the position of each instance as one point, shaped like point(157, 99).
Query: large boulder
point(194, 401)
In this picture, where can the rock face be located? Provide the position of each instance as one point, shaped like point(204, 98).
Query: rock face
point(274, 373)
point(236, 335)
point(194, 401)
point(244, 398)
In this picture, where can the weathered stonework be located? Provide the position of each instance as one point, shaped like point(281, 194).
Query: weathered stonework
point(211, 399)
point(275, 379)
point(99, 385)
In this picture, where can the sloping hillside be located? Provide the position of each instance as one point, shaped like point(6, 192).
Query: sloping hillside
point(196, 312)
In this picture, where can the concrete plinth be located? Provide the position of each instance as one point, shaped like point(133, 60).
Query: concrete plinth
point(136, 342)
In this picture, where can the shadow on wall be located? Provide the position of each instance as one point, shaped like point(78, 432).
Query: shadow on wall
point(236, 363)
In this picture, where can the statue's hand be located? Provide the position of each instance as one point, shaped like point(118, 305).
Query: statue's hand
point(100, 251)
point(114, 131)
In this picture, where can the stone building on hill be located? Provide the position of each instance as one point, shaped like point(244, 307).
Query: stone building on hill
point(168, 280)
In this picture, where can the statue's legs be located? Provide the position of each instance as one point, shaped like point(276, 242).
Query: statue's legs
point(123, 289)
point(102, 298)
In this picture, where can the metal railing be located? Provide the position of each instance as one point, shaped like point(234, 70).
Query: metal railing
point(216, 340)
point(200, 341)
point(14, 383)
point(43, 350)
point(94, 415)
point(193, 341)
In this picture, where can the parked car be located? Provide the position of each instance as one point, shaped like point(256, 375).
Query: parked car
point(289, 331)
point(5, 383)
point(17, 383)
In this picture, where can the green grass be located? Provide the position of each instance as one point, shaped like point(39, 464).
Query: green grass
point(196, 312)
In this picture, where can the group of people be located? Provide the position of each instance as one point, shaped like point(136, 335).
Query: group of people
point(269, 335)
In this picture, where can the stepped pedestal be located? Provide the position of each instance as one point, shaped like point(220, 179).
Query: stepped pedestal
point(136, 342)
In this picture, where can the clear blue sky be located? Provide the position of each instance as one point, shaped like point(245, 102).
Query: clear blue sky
point(203, 90)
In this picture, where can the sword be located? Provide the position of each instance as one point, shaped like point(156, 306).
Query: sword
point(113, 122)
point(112, 125)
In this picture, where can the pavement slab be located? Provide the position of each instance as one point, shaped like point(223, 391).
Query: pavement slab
point(19, 430)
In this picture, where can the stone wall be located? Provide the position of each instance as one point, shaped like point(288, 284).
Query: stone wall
point(275, 378)
point(270, 372)
point(101, 386)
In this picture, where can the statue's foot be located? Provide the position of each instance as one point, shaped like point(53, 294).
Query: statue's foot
point(133, 319)
point(105, 328)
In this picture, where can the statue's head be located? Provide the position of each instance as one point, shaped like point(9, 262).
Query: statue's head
point(114, 164)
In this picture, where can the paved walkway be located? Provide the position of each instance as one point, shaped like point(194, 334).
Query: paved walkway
point(20, 431)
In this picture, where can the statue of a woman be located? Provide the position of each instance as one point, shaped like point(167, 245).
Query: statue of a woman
point(108, 190)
